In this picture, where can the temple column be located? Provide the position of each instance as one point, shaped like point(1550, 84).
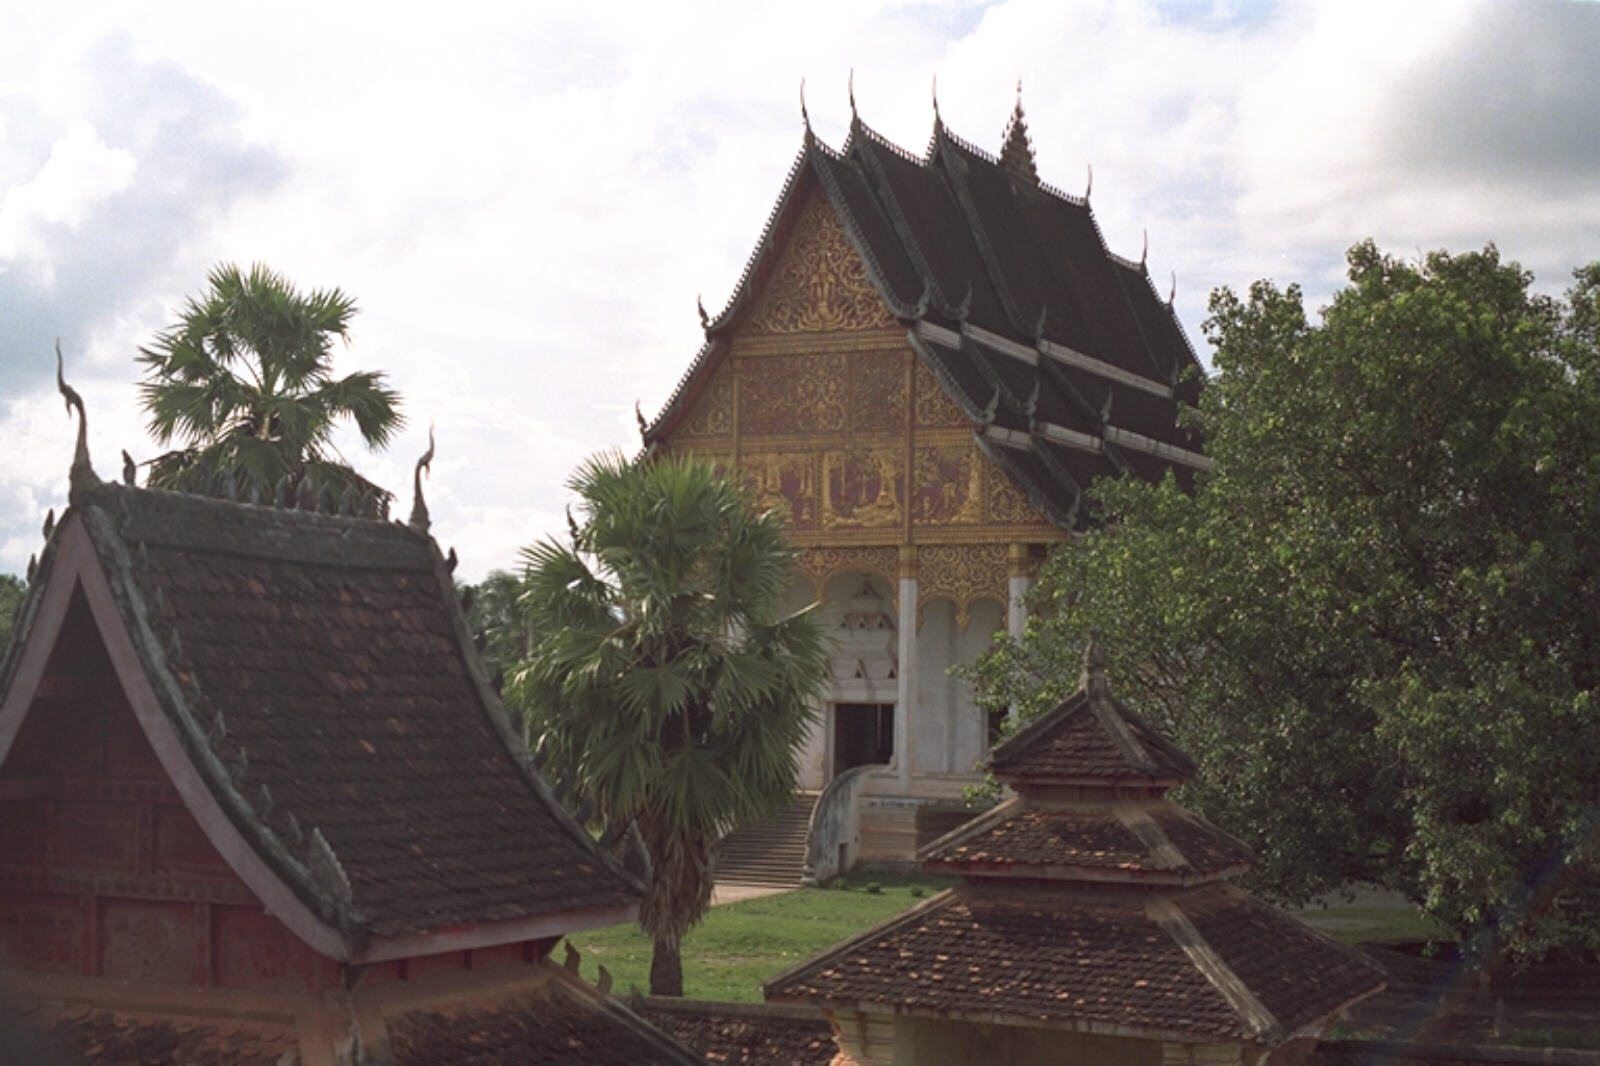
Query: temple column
point(906, 694)
point(1020, 566)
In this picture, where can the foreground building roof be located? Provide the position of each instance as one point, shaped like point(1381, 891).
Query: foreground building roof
point(1090, 903)
point(309, 682)
point(1063, 359)
point(259, 804)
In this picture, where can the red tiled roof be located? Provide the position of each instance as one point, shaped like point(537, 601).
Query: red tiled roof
point(1154, 839)
point(745, 1034)
point(1106, 962)
point(91, 1036)
point(552, 1028)
point(320, 674)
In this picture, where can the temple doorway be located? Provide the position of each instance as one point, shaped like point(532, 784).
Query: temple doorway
point(863, 734)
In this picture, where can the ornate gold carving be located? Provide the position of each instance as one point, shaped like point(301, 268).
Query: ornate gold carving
point(821, 394)
point(822, 565)
point(1019, 560)
point(820, 282)
point(786, 483)
point(712, 414)
point(948, 486)
point(962, 573)
point(1007, 503)
point(861, 489)
point(935, 409)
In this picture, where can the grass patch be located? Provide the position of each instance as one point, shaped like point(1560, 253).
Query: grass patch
point(1373, 925)
point(739, 945)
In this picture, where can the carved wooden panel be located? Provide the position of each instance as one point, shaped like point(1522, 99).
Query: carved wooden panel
point(822, 394)
point(963, 574)
point(144, 940)
point(129, 756)
point(793, 395)
point(787, 483)
point(23, 828)
point(862, 489)
point(935, 409)
point(820, 283)
point(256, 950)
point(822, 565)
point(40, 932)
point(181, 846)
point(712, 413)
point(97, 836)
point(948, 482)
point(1008, 504)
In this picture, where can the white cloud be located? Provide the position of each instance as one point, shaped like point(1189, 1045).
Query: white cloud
point(526, 200)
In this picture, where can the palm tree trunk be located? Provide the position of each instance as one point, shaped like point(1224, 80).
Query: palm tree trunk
point(666, 968)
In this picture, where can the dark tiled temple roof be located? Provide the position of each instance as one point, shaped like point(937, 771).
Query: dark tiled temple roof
point(1155, 841)
point(555, 1026)
point(744, 1034)
point(94, 1036)
point(1090, 739)
point(1009, 294)
point(1114, 962)
point(319, 674)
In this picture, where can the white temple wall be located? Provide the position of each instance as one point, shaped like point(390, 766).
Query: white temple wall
point(948, 723)
point(813, 756)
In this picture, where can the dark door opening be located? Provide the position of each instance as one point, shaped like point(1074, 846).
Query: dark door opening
point(863, 734)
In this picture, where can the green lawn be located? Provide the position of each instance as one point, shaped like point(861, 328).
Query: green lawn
point(739, 945)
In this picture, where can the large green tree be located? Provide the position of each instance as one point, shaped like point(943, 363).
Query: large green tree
point(665, 684)
point(244, 383)
point(1377, 619)
point(12, 593)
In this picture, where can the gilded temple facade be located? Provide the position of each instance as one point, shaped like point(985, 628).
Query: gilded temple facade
point(923, 379)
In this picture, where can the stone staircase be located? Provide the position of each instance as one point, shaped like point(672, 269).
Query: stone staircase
point(770, 852)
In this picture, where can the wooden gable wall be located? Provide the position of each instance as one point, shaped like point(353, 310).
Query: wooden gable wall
point(103, 871)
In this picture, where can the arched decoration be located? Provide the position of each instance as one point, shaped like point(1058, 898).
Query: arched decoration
point(963, 574)
point(822, 565)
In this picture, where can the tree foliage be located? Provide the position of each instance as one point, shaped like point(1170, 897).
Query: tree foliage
point(244, 382)
point(12, 593)
point(1377, 619)
point(664, 682)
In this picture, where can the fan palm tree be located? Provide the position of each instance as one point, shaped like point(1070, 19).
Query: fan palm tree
point(244, 383)
point(664, 685)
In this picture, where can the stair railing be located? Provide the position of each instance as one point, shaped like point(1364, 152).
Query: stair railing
point(833, 838)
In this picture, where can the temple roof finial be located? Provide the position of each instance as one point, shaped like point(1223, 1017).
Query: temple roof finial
point(804, 114)
point(705, 319)
point(1089, 188)
point(851, 86)
point(419, 506)
point(82, 478)
point(1016, 154)
point(936, 119)
point(1093, 680)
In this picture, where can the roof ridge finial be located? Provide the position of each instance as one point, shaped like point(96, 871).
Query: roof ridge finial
point(937, 121)
point(419, 506)
point(1089, 188)
point(805, 115)
point(1173, 294)
point(1093, 681)
point(82, 476)
point(1144, 256)
point(851, 86)
point(1016, 151)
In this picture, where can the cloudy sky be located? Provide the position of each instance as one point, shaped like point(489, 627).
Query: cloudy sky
point(526, 199)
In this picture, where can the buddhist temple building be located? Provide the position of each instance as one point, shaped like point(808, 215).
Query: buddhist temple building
point(1093, 924)
point(927, 361)
point(260, 807)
